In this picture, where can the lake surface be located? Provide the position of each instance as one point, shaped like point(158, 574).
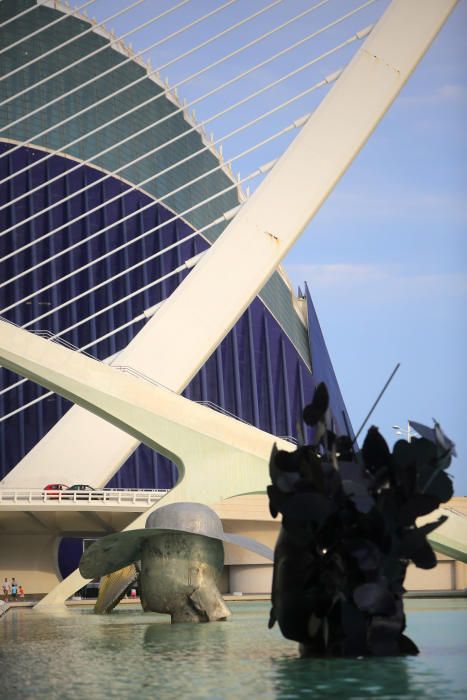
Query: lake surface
point(74, 654)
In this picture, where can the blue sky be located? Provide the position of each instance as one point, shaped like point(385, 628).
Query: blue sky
point(385, 258)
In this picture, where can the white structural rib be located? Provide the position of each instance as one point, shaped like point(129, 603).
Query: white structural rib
point(322, 83)
point(91, 28)
point(176, 342)
point(297, 123)
point(127, 86)
point(157, 148)
point(28, 37)
point(216, 142)
point(28, 10)
point(132, 57)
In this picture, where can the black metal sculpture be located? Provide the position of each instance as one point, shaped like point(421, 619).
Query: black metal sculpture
point(348, 534)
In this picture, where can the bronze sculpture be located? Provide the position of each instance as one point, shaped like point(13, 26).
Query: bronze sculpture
point(178, 558)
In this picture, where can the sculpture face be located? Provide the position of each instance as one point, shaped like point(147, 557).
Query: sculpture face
point(180, 574)
point(181, 559)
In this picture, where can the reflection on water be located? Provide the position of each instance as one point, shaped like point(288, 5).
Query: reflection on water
point(129, 654)
point(358, 678)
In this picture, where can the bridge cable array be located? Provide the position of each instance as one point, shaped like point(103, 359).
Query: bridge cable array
point(359, 35)
point(158, 122)
point(223, 164)
point(114, 42)
point(90, 29)
point(35, 7)
point(167, 91)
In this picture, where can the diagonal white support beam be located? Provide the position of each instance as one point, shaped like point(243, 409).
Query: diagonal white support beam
point(243, 258)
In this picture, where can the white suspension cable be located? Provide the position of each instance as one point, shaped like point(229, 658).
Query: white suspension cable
point(294, 125)
point(131, 58)
point(57, 335)
point(10, 387)
point(203, 96)
point(117, 302)
point(24, 12)
point(86, 135)
point(221, 219)
point(168, 90)
point(109, 280)
point(125, 245)
point(326, 80)
point(28, 37)
point(121, 301)
point(225, 217)
point(127, 86)
point(360, 34)
point(117, 40)
point(92, 28)
point(201, 124)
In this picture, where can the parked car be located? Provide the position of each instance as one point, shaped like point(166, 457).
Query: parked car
point(83, 490)
point(54, 489)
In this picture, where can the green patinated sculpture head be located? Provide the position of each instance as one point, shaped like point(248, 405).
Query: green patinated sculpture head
point(180, 557)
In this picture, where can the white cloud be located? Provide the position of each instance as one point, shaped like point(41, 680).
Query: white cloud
point(399, 201)
point(449, 93)
point(377, 284)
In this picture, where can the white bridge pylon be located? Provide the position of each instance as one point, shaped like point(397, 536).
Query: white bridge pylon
point(186, 330)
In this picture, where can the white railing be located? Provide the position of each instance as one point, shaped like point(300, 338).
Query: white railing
point(225, 412)
point(109, 497)
point(127, 369)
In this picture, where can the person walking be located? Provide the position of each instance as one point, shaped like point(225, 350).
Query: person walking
point(14, 589)
point(6, 589)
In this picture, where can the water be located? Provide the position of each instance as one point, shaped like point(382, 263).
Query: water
point(74, 654)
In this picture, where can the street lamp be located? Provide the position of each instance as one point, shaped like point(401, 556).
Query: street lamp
point(407, 432)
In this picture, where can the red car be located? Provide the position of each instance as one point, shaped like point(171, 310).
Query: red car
point(53, 489)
